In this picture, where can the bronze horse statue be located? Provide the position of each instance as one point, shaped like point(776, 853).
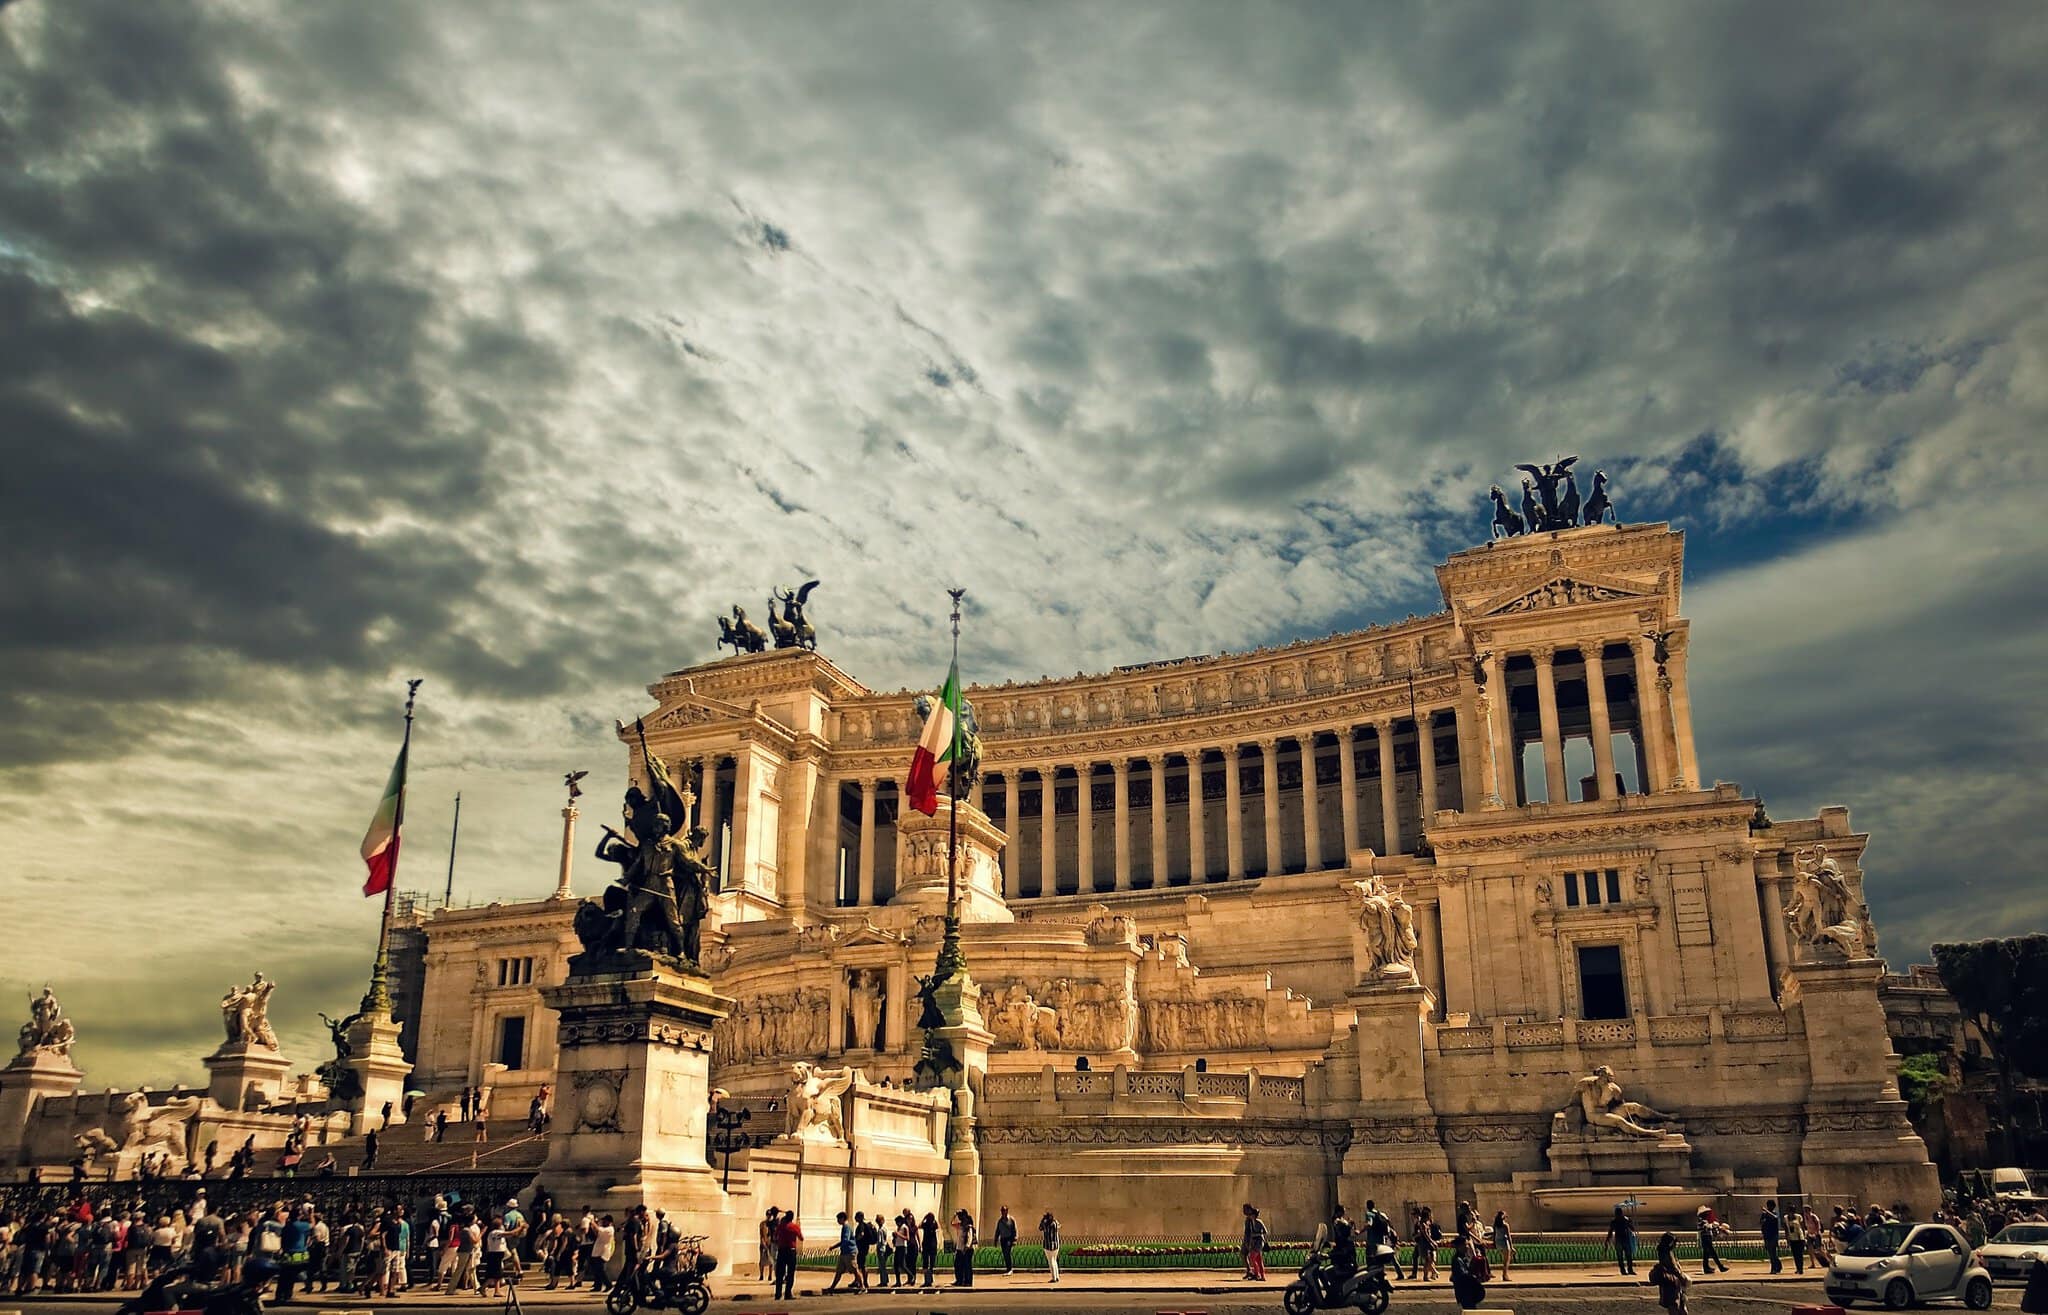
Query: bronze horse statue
point(1505, 523)
point(742, 634)
point(792, 629)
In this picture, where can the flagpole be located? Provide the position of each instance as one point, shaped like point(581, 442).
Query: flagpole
point(953, 781)
point(454, 834)
point(378, 1000)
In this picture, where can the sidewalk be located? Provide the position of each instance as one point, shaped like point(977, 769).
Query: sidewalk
point(1185, 1282)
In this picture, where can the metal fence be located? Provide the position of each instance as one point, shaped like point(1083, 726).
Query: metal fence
point(1138, 1254)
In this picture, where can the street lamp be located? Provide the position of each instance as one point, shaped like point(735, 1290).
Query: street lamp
point(728, 1140)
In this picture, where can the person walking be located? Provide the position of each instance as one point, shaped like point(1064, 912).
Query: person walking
point(863, 1243)
point(1427, 1236)
point(885, 1250)
point(1006, 1239)
point(906, 1249)
point(369, 1150)
point(928, 1240)
point(1621, 1235)
point(1254, 1245)
point(1769, 1226)
point(846, 1250)
point(964, 1240)
point(1795, 1238)
point(1379, 1232)
point(1049, 1235)
point(789, 1237)
point(441, 1124)
point(1504, 1242)
point(1669, 1277)
point(1710, 1228)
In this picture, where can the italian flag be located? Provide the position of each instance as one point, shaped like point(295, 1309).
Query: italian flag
point(380, 843)
point(935, 746)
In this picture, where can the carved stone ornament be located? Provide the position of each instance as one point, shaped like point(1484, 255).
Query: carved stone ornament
point(245, 1014)
point(1823, 913)
point(47, 1030)
point(596, 1096)
point(815, 1102)
point(1600, 1105)
point(1388, 922)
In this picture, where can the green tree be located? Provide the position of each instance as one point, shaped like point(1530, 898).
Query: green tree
point(2002, 987)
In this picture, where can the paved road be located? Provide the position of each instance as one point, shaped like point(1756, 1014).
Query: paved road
point(1734, 1295)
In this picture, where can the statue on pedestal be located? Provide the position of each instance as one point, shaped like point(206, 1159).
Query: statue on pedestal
point(341, 1080)
point(816, 1101)
point(1823, 912)
point(1388, 922)
point(864, 1008)
point(47, 1030)
point(1602, 1106)
point(245, 1013)
point(663, 890)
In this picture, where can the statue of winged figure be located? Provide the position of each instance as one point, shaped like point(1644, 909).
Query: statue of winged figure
point(816, 1100)
point(792, 629)
point(1547, 480)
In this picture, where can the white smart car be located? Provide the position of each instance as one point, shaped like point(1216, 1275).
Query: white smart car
point(1902, 1264)
point(2010, 1256)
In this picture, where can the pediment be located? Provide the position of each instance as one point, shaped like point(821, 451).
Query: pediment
point(1562, 589)
point(869, 934)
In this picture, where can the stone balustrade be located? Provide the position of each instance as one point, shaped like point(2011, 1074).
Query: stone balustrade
point(1665, 1030)
point(1146, 1086)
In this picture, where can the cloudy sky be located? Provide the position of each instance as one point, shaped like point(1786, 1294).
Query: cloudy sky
point(505, 345)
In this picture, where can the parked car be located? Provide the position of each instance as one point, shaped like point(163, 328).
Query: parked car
point(2009, 1256)
point(1901, 1264)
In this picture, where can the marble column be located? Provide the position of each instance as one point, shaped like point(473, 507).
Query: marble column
point(974, 791)
point(1122, 768)
point(1430, 946)
point(1681, 723)
point(1269, 753)
point(1311, 820)
point(1347, 787)
point(1603, 727)
point(569, 816)
point(1013, 810)
point(1650, 711)
point(1048, 831)
point(1425, 758)
point(1500, 736)
point(1390, 817)
point(1233, 811)
point(1546, 709)
point(1198, 839)
point(1084, 836)
point(714, 801)
point(865, 895)
point(1158, 821)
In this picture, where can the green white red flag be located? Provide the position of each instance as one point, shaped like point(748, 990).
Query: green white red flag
point(936, 747)
point(380, 843)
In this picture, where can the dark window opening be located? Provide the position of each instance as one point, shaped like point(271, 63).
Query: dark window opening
point(1614, 885)
point(1602, 992)
point(512, 1041)
point(1571, 890)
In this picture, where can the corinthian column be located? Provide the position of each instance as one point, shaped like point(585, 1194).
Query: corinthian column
point(1681, 723)
point(1390, 817)
point(1198, 840)
point(1650, 716)
point(1084, 838)
point(1546, 710)
point(713, 824)
point(1048, 831)
point(1425, 756)
point(1158, 821)
point(569, 816)
point(1603, 727)
point(1233, 811)
point(1347, 788)
point(1122, 768)
point(1311, 822)
point(865, 892)
point(1500, 735)
point(1013, 804)
point(1269, 751)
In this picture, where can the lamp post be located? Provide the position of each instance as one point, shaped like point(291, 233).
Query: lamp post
point(727, 1139)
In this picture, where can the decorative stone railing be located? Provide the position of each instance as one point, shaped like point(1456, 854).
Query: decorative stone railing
point(1148, 1086)
point(1714, 1026)
point(1237, 1085)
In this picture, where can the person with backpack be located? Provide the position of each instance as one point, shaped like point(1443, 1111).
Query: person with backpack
point(1254, 1245)
point(863, 1242)
point(1006, 1238)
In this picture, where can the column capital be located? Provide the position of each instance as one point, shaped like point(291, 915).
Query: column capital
point(1346, 733)
point(870, 784)
point(1426, 717)
point(1544, 654)
point(1268, 743)
point(1121, 766)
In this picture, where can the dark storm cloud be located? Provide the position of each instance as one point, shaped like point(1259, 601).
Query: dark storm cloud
point(339, 344)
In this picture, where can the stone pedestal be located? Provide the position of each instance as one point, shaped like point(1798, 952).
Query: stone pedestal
point(244, 1075)
point(921, 847)
point(1858, 1143)
point(25, 1083)
point(380, 1067)
point(632, 1098)
point(1396, 1154)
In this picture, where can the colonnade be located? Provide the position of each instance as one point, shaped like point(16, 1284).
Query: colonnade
point(1659, 718)
point(1053, 810)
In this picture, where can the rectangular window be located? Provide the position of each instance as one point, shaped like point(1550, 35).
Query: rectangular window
point(1602, 992)
point(504, 970)
point(1614, 885)
point(1592, 880)
point(1571, 890)
point(512, 1041)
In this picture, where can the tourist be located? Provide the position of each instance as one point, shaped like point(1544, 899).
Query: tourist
point(1670, 1279)
point(547, 1250)
point(294, 1242)
point(789, 1238)
point(1468, 1271)
point(604, 1238)
point(845, 1251)
point(928, 1244)
point(1767, 1224)
point(1621, 1235)
point(1710, 1228)
point(1049, 1237)
point(441, 1124)
point(1795, 1238)
point(369, 1150)
point(483, 1132)
point(1427, 1235)
point(1006, 1238)
point(316, 1254)
point(496, 1240)
point(349, 1243)
point(2034, 1300)
point(766, 1266)
point(163, 1241)
point(1343, 1248)
point(906, 1249)
point(964, 1239)
point(885, 1251)
point(633, 1237)
point(468, 1103)
point(1379, 1235)
point(1504, 1242)
point(863, 1242)
point(1816, 1237)
point(1254, 1245)
point(397, 1235)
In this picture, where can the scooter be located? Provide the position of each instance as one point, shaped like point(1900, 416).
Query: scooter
point(1319, 1287)
point(174, 1290)
point(685, 1288)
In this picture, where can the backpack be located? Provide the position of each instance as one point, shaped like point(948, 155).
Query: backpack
point(864, 1234)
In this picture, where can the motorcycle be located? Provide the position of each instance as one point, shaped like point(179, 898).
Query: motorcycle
point(685, 1288)
point(1320, 1288)
point(175, 1290)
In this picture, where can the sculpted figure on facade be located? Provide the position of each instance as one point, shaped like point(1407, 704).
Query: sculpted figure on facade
point(245, 1013)
point(1183, 1023)
point(47, 1030)
point(793, 1022)
point(815, 1100)
point(1016, 1018)
point(1601, 1105)
point(161, 1130)
point(864, 1008)
point(1389, 926)
point(1822, 911)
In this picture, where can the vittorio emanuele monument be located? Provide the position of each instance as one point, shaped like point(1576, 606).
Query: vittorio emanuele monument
point(1442, 909)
